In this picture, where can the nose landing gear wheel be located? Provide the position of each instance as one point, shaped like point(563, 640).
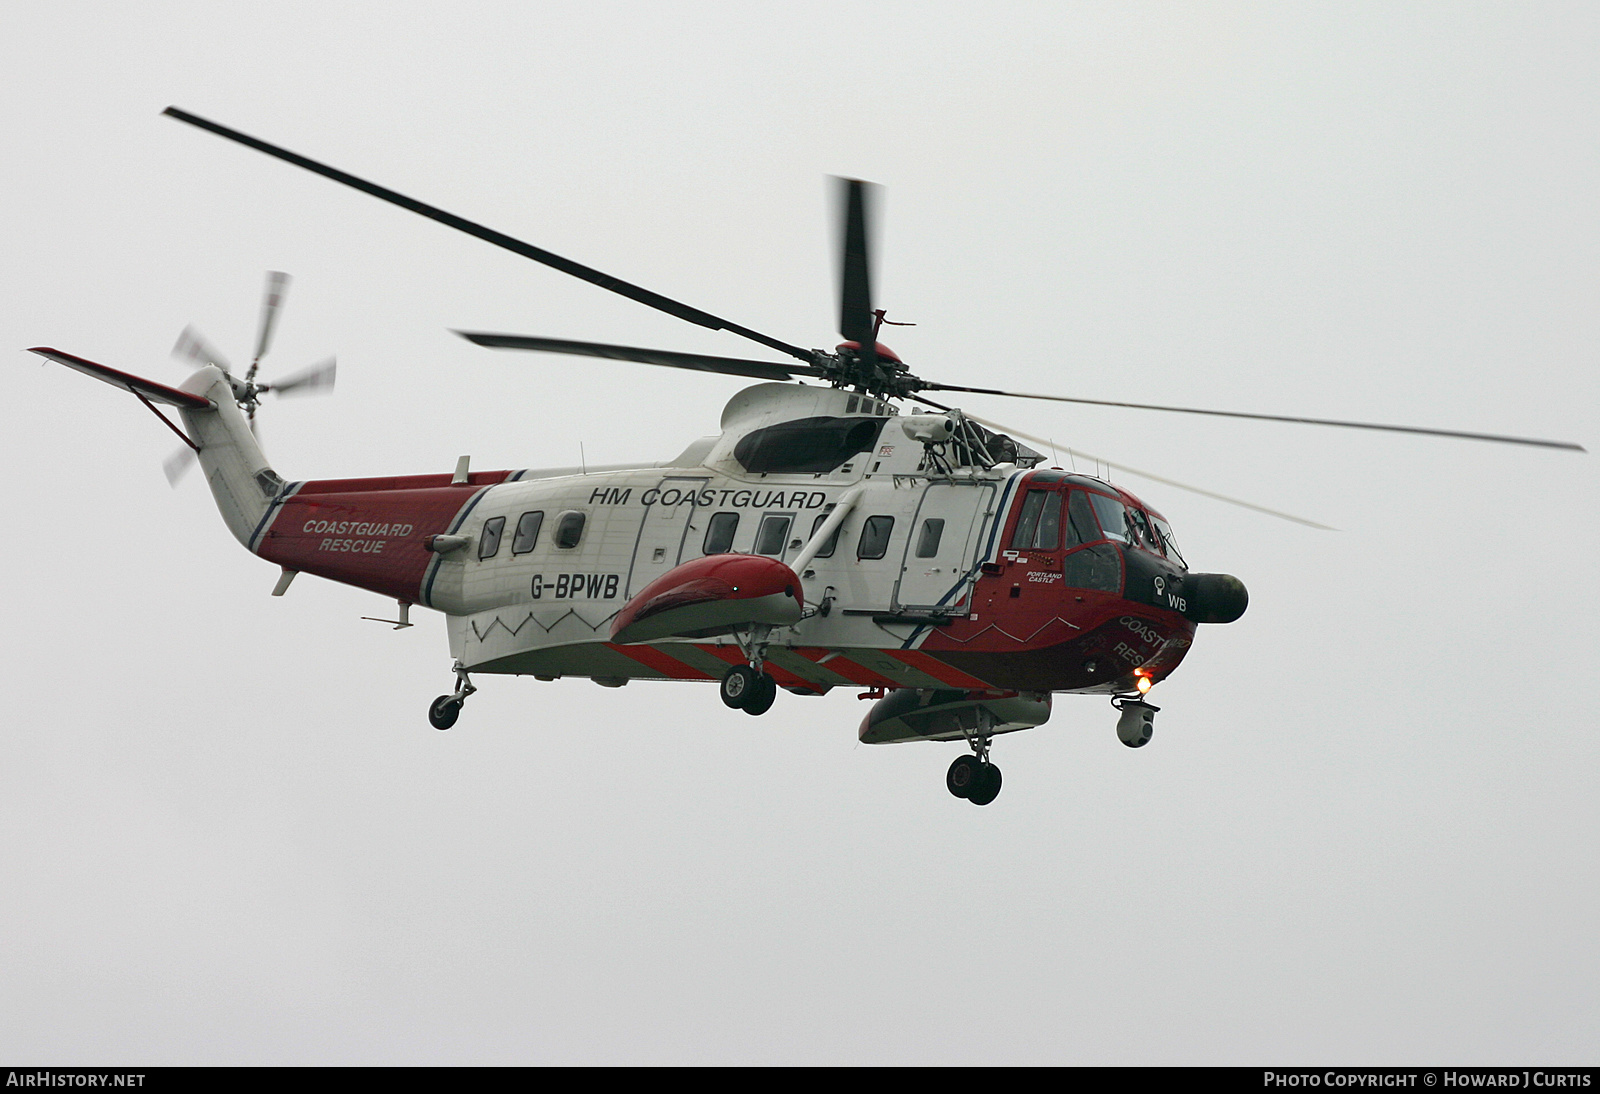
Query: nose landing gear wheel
point(443, 711)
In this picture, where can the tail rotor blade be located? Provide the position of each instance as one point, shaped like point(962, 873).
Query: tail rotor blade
point(177, 465)
point(316, 380)
point(271, 301)
point(197, 351)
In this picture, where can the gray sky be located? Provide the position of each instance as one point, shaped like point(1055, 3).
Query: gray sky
point(1366, 828)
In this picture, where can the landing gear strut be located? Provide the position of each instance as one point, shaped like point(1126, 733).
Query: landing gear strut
point(974, 777)
point(746, 687)
point(443, 711)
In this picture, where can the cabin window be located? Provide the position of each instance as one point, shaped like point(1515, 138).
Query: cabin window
point(772, 534)
point(527, 532)
point(1113, 517)
point(569, 529)
point(719, 534)
point(833, 540)
point(874, 541)
point(928, 541)
point(489, 542)
point(1039, 526)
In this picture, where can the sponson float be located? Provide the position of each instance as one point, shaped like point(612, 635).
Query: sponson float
point(820, 539)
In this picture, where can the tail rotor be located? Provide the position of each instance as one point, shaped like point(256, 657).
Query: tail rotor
point(192, 347)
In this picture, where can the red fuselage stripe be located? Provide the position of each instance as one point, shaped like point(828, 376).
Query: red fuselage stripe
point(662, 662)
point(937, 669)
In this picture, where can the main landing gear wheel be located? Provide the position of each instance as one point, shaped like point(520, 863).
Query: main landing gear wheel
point(986, 787)
point(759, 700)
point(738, 684)
point(973, 779)
point(444, 711)
point(961, 777)
point(743, 688)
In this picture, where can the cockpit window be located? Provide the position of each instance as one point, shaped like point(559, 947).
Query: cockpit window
point(1143, 534)
point(1081, 527)
point(1113, 517)
point(1039, 525)
point(1165, 531)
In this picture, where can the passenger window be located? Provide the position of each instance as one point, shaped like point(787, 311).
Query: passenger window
point(875, 537)
point(569, 529)
point(833, 541)
point(772, 534)
point(1113, 517)
point(928, 542)
point(489, 542)
point(719, 534)
point(527, 532)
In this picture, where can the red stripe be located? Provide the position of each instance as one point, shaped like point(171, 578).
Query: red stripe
point(937, 669)
point(851, 671)
point(734, 656)
point(668, 666)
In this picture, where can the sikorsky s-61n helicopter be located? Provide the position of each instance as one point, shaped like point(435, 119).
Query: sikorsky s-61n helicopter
point(822, 539)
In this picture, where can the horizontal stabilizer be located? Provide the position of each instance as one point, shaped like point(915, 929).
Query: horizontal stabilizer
point(151, 390)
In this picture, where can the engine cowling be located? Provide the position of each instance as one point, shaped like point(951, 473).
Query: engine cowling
point(928, 714)
point(710, 596)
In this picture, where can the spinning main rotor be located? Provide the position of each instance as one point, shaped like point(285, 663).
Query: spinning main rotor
point(859, 363)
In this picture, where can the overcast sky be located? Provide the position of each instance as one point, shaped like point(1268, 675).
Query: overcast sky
point(1366, 828)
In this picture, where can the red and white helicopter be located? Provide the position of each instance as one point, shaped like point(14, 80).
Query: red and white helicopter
point(822, 539)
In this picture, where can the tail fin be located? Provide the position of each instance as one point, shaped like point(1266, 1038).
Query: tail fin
point(242, 482)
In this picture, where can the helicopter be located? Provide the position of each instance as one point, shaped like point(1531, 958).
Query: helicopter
point(823, 538)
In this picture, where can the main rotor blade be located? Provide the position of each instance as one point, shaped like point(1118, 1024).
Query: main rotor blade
point(1500, 438)
point(855, 270)
point(271, 301)
point(499, 239)
point(729, 366)
point(1150, 474)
